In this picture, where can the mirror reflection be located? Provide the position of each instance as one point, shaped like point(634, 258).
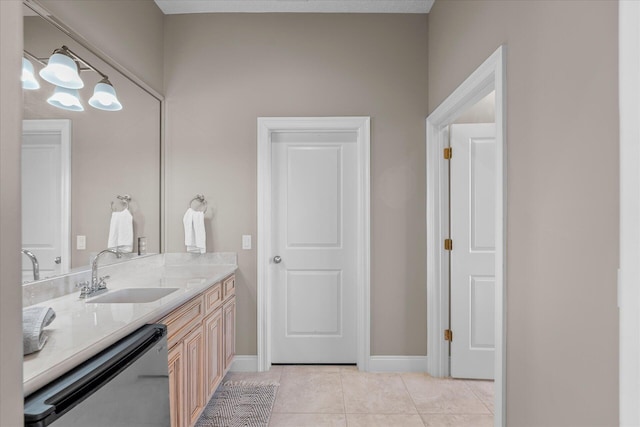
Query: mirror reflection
point(90, 170)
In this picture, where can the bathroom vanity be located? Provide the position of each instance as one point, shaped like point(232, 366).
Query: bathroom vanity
point(201, 349)
point(193, 295)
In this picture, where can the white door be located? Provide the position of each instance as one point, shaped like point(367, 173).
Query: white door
point(472, 186)
point(314, 199)
point(45, 196)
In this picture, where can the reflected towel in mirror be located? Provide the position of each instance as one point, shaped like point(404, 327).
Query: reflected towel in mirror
point(121, 231)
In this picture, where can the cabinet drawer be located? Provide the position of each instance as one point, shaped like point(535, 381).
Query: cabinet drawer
point(229, 286)
point(212, 298)
point(183, 319)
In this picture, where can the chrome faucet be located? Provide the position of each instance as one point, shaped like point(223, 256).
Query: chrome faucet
point(34, 263)
point(97, 285)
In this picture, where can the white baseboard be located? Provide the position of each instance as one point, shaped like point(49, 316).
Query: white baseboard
point(398, 364)
point(243, 363)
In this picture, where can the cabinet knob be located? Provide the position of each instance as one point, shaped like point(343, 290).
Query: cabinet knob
point(277, 259)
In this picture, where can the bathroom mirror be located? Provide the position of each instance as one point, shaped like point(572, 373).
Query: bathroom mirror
point(75, 164)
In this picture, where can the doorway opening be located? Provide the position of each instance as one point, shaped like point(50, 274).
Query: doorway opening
point(293, 143)
point(46, 200)
point(487, 78)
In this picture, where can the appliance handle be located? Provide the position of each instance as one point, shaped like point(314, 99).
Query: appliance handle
point(55, 399)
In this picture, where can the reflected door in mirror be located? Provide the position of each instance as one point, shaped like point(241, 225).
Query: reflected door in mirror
point(45, 196)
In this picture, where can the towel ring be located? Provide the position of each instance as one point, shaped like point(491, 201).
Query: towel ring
point(203, 203)
point(124, 200)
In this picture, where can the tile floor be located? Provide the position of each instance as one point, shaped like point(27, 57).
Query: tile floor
point(317, 396)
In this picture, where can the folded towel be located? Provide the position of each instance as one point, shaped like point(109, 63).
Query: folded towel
point(33, 320)
point(195, 238)
point(121, 231)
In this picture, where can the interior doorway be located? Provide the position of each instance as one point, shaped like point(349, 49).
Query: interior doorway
point(314, 241)
point(46, 201)
point(489, 77)
point(294, 143)
point(472, 255)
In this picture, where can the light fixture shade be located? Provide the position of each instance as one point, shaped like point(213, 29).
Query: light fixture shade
point(62, 70)
point(28, 78)
point(104, 97)
point(67, 99)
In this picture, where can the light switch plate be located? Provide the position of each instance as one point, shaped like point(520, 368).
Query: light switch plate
point(81, 242)
point(246, 241)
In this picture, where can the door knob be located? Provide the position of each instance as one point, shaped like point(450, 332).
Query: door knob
point(58, 260)
point(277, 259)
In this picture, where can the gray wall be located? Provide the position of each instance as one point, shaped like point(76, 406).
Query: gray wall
point(10, 137)
point(222, 72)
point(562, 172)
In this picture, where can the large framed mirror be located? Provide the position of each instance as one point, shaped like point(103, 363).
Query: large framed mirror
point(80, 169)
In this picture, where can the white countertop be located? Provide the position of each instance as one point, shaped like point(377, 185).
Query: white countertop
point(82, 329)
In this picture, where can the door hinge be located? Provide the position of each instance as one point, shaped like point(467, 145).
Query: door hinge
point(448, 244)
point(448, 153)
point(448, 335)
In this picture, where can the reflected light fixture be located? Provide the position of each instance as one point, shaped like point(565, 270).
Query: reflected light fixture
point(104, 97)
point(65, 98)
point(63, 70)
point(28, 77)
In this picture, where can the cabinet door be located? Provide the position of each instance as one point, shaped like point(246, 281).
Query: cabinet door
point(176, 386)
point(194, 373)
point(229, 313)
point(213, 351)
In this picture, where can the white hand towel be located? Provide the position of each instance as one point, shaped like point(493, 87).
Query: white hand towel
point(121, 231)
point(195, 237)
point(34, 319)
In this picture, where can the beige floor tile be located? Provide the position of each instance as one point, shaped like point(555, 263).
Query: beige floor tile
point(440, 420)
point(484, 390)
point(380, 420)
point(442, 396)
point(272, 375)
point(309, 393)
point(311, 369)
point(307, 420)
point(371, 393)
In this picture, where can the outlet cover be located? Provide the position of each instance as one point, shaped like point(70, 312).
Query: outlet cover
point(246, 241)
point(81, 242)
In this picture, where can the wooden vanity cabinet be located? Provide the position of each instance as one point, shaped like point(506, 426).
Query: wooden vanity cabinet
point(229, 314)
point(194, 372)
point(176, 385)
point(201, 349)
point(213, 338)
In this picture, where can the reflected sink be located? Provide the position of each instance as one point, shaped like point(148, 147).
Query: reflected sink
point(132, 295)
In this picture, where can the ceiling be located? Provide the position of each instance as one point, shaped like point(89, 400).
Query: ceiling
point(294, 6)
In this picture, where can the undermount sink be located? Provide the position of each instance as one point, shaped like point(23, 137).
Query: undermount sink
point(132, 295)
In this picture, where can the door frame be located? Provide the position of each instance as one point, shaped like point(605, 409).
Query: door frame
point(629, 272)
point(60, 127)
point(489, 76)
point(267, 126)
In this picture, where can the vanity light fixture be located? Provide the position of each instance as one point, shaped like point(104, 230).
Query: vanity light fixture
point(28, 77)
point(63, 70)
point(104, 97)
point(67, 99)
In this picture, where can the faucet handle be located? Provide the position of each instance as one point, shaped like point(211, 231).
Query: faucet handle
point(85, 288)
point(82, 284)
point(101, 282)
